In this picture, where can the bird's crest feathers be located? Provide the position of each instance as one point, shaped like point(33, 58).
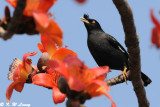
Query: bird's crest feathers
point(86, 16)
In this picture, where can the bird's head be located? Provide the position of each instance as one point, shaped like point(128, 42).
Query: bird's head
point(90, 24)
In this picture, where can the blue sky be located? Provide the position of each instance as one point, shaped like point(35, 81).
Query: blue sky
point(67, 14)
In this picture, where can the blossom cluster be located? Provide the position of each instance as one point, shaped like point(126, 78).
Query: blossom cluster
point(55, 62)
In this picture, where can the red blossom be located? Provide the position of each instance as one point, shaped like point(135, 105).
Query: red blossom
point(81, 78)
point(50, 47)
point(38, 9)
point(20, 71)
point(155, 37)
point(50, 80)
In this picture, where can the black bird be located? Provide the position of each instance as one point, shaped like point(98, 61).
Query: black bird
point(106, 50)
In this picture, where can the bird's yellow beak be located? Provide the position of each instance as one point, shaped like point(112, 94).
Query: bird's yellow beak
point(84, 20)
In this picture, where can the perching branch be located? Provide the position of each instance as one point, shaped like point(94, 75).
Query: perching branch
point(132, 43)
point(117, 80)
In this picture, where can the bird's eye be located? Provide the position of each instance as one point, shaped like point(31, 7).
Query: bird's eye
point(93, 22)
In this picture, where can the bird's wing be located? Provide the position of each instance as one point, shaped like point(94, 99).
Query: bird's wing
point(116, 44)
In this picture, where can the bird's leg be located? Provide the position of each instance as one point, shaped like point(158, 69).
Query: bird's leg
point(124, 74)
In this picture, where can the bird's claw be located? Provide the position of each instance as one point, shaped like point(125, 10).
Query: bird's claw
point(124, 73)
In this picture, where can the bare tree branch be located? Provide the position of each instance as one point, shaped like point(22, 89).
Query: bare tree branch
point(18, 13)
point(18, 24)
point(117, 80)
point(132, 43)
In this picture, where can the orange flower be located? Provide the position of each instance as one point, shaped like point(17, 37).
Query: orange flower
point(20, 70)
point(155, 37)
point(35, 4)
point(50, 80)
point(37, 9)
point(52, 31)
point(49, 46)
point(80, 78)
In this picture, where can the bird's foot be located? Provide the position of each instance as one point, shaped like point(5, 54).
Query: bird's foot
point(124, 73)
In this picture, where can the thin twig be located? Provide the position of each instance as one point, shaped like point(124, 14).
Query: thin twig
point(132, 43)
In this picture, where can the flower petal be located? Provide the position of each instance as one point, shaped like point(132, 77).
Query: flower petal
point(41, 48)
point(48, 44)
point(156, 36)
point(99, 71)
point(28, 66)
point(96, 88)
point(57, 40)
point(154, 20)
point(75, 84)
point(43, 79)
point(58, 97)
point(103, 86)
point(16, 73)
point(41, 18)
point(19, 87)
point(72, 60)
point(59, 67)
point(109, 97)
point(61, 53)
point(20, 74)
point(52, 29)
point(9, 90)
point(28, 54)
point(41, 5)
point(14, 69)
point(23, 74)
point(12, 2)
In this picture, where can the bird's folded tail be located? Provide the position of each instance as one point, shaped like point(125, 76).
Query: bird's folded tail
point(145, 79)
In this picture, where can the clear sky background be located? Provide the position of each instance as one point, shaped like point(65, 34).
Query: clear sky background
point(67, 14)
